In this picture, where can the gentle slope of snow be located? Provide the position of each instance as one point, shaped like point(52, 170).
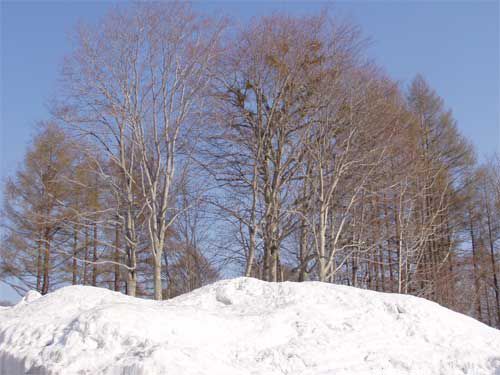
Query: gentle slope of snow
point(242, 327)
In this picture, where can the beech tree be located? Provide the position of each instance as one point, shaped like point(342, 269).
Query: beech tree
point(265, 94)
point(138, 82)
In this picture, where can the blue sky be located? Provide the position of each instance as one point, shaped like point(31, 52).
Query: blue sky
point(453, 44)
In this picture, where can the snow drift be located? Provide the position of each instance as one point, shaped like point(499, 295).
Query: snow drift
point(243, 326)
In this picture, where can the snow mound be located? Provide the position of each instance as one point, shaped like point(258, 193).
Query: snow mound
point(241, 327)
point(31, 296)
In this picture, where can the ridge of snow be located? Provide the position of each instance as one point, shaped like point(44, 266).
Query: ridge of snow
point(243, 326)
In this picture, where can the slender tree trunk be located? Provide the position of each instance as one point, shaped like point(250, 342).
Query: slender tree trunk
point(131, 245)
point(475, 266)
point(373, 266)
point(354, 269)
point(274, 262)
point(493, 265)
point(39, 266)
point(322, 263)
point(266, 261)
point(86, 255)
point(397, 233)
point(132, 273)
point(252, 229)
point(251, 251)
point(94, 257)
point(450, 278)
point(377, 245)
point(74, 280)
point(303, 251)
point(46, 266)
point(403, 273)
point(117, 259)
point(382, 270)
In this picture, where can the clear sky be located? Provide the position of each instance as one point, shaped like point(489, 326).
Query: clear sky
point(454, 44)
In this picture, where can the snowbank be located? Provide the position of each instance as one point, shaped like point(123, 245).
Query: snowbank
point(243, 326)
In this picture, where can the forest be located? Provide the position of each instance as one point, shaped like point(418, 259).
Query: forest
point(183, 149)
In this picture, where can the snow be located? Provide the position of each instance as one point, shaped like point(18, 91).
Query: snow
point(241, 327)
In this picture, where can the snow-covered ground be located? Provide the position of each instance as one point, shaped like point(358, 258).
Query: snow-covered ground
point(243, 326)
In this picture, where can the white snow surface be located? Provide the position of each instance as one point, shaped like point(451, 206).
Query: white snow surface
point(243, 326)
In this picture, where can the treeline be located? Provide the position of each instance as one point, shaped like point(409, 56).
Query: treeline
point(183, 149)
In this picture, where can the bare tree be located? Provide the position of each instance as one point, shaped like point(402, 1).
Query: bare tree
point(344, 153)
point(174, 49)
point(33, 216)
point(264, 96)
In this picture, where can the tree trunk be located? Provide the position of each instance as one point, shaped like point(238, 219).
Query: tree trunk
point(402, 276)
point(354, 270)
point(493, 266)
point(475, 266)
point(251, 252)
point(274, 262)
point(39, 266)
point(94, 257)
point(117, 259)
point(303, 251)
point(46, 266)
point(322, 264)
point(86, 255)
point(158, 288)
point(131, 258)
point(74, 280)
point(131, 283)
point(266, 261)
point(252, 226)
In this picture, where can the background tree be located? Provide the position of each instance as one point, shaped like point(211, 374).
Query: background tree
point(33, 215)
